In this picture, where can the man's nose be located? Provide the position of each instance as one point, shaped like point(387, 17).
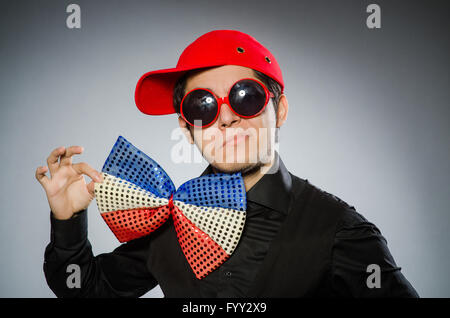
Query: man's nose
point(227, 117)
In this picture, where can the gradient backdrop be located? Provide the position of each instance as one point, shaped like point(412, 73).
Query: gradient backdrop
point(368, 121)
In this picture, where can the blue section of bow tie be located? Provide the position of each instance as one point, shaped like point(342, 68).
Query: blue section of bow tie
point(221, 190)
point(127, 162)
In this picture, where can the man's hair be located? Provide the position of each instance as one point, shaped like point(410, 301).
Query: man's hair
point(271, 84)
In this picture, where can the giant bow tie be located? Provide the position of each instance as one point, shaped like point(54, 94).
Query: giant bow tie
point(137, 196)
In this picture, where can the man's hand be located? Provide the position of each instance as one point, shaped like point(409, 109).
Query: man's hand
point(67, 192)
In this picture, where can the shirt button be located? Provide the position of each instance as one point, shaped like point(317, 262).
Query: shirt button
point(228, 274)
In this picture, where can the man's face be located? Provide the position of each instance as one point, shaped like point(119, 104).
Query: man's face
point(232, 143)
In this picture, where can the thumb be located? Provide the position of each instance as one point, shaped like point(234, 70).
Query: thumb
point(91, 188)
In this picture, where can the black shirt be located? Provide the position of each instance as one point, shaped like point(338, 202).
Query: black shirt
point(298, 241)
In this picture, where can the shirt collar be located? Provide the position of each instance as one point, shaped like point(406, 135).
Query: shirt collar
point(273, 190)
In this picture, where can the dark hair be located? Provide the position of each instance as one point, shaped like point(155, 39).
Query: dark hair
point(180, 86)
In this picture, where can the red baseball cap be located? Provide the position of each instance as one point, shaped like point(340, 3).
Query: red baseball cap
point(154, 90)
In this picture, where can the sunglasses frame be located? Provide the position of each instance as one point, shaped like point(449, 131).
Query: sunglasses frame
point(225, 100)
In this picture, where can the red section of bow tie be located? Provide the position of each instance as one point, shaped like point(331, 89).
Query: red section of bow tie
point(203, 254)
point(128, 225)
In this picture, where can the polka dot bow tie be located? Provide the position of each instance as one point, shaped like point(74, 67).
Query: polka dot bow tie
point(137, 196)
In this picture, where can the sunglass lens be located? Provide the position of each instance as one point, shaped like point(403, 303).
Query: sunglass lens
point(247, 97)
point(200, 105)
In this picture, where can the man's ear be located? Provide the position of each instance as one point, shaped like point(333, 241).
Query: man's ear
point(283, 108)
point(184, 127)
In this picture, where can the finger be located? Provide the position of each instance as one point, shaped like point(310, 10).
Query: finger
point(41, 177)
point(84, 168)
point(52, 160)
point(66, 158)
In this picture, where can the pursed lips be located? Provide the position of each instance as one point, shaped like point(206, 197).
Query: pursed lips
point(234, 139)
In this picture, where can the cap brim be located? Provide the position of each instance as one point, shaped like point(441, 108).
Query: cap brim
point(154, 90)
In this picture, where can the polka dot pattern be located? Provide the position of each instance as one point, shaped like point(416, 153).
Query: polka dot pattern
point(224, 226)
point(127, 162)
point(214, 190)
point(117, 194)
point(137, 196)
point(132, 224)
point(202, 253)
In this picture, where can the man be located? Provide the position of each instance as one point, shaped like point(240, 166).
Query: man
point(297, 240)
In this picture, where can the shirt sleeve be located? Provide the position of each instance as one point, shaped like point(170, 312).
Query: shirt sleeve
point(362, 265)
point(71, 270)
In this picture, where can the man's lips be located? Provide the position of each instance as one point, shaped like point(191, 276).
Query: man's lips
point(234, 140)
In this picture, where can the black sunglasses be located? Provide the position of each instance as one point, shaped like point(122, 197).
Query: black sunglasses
point(247, 98)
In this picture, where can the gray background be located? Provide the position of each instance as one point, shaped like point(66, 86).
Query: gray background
point(368, 120)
